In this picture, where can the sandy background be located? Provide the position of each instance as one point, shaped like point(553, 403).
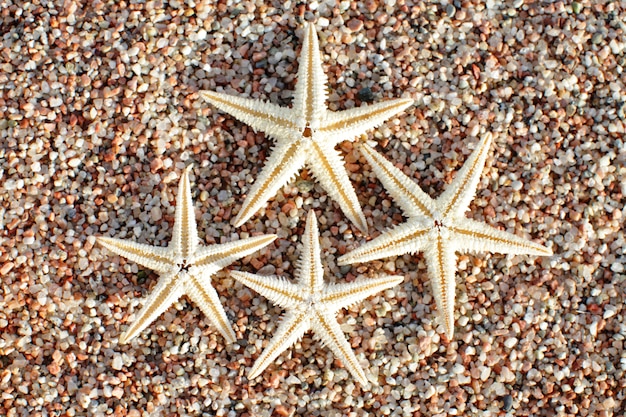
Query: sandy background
point(99, 114)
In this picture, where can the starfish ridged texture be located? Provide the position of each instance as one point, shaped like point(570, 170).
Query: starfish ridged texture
point(438, 227)
point(312, 304)
point(306, 135)
point(185, 267)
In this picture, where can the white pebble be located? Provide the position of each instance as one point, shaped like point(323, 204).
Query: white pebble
point(510, 342)
point(609, 311)
point(117, 363)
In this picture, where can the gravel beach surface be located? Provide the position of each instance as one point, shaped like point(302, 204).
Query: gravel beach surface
point(100, 114)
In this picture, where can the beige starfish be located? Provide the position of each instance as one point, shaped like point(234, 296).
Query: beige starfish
point(185, 267)
point(312, 304)
point(438, 227)
point(306, 134)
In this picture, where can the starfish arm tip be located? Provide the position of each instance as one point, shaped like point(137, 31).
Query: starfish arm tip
point(206, 94)
point(362, 379)
point(256, 370)
point(123, 339)
point(448, 325)
point(361, 224)
point(238, 221)
point(396, 279)
point(229, 336)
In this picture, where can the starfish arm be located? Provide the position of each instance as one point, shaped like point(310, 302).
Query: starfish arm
point(349, 124)
point(185, 236)
point(201, 292)
point(473, 236)
point(285, 161)
point(277, 289)
point(326, 164)
point(458, 195)
point(406, 193)
point(310, 92)
point(409, 237)
point(327, 329)
point(152, 257)
point(167, 291)
point(213, 258)
point(346, 294)
point(262, 116)
point(441, 262)
point(309, 266)
point(291, 328)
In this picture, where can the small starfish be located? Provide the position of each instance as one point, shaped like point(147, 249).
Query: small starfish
point(438, 227)
point(185, 267)
point(306, 135)
point(312, 304)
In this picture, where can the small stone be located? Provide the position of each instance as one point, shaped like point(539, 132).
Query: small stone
point(305, 186)
point(293, 380)
point(281, 410)
point(118, 392)
point(371, 5)
point(155, 165)
point(257, 56)
point(74, 162)
point(117, 362)
point(156, 214)
point(365, 94)
point(55, 102)
point(507, 375)
point(54, 368)
point(223, 195)
point(510, 342)
point(6, 268)
point(450, 10)
point(597, 38)
point(355, 25)
point(609, 311)
point(507, 403)
point(83, 399)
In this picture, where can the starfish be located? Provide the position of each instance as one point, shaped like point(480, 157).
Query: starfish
point(185, 267)
point(312, 304)
point(306, 135)
point(438, 227)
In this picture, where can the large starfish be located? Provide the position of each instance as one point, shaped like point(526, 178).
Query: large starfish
point(438, 227)
point(185, 267)
point(306, 134)
point(312, 304)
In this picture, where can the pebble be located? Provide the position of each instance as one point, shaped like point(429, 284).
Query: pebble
point(355, 25)
point(507, 403)
point(450, 10)
point(156, 214)
point(223, 195)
